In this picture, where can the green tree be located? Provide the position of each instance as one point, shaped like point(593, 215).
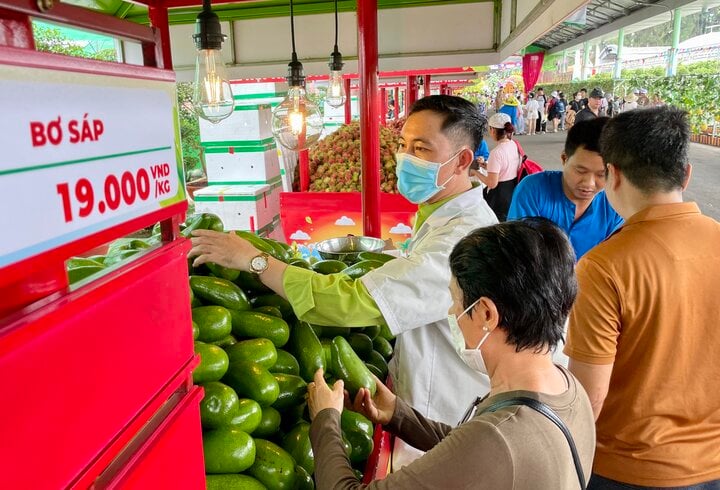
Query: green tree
point(52, 40)
point(189, 133)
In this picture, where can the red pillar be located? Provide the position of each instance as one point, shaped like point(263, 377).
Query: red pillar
point(426, 85)
point(369, 122)
point(383, 106)
point(304, 163)
point(348, 102)
point(396, 112)
point(410, 92)
point(159, 19)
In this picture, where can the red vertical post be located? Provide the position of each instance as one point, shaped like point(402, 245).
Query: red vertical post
point(348, 102)
point(369, 122)
point(383, 106)
point(410, 92)
point(159, 19)
point(397, 103)
point(426, 85)
point(304, 162)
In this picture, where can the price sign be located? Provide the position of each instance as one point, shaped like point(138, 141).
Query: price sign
point(81, 153)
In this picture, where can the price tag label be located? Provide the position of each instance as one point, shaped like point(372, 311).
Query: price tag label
point(81, 153)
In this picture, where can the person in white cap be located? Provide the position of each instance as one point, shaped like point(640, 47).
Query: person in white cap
point(502, 166)
point(643, 100)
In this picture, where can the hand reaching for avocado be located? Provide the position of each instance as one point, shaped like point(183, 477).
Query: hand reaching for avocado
point(225, 249)
point(321, 396)
point(380, 408)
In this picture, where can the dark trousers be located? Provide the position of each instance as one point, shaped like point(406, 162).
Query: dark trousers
point(598, 482)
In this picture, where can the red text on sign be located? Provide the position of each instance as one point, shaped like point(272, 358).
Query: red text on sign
point(77, 131)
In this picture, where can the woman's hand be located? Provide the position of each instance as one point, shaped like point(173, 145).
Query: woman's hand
point(378, 409)
point(320, 396)
point(226, 249)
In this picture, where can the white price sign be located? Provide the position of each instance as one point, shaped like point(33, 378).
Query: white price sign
point(82, 153)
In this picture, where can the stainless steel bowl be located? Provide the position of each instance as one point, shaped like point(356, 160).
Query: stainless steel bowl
point(348, 248)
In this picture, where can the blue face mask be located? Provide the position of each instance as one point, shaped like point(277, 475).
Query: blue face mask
point(417, 178)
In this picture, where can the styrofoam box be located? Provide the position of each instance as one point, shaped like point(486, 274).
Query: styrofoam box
point(250, 165)
point(249, 124)
point(239, 89)
point(241, 207)
point(277, 231)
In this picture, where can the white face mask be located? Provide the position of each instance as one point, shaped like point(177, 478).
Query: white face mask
point(472, 357)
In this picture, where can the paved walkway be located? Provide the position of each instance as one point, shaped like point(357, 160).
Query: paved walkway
point(703, 188)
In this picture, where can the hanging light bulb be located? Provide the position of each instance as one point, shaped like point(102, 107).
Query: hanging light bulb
point(212, 95)
point(336, 88)
point(296, 121)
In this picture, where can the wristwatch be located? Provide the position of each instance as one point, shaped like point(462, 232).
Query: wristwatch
point(259, 263)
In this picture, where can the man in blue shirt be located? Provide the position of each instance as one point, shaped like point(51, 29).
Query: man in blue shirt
point(574, 198)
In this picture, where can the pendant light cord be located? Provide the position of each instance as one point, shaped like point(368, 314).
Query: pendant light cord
point(336, 24)
point(292, 29)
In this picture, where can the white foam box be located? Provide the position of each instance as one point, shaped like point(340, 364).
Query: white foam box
point(248, 125)
point(273, 230)
point(241, 88)
point(242, 165)
point(241, 207)
point(259, 93)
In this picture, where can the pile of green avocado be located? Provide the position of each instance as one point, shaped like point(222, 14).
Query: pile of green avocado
point(256, 361)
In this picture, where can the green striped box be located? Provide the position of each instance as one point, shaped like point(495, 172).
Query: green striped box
point(247, 123)
point(241, 207)
point(240, 163)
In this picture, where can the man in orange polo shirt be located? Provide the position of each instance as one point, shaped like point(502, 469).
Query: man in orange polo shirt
point(644, 335)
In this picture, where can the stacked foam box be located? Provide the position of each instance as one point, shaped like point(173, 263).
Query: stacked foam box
point(241, 157)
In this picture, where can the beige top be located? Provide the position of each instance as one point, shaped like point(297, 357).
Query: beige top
point(512, 448)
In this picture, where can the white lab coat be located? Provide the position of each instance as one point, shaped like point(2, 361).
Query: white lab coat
point(413, 295)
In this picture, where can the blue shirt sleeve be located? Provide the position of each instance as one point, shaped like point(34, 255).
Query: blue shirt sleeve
point(483, 150)
point(524, 201)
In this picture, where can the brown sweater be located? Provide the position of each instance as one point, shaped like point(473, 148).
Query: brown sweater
point(512, 448)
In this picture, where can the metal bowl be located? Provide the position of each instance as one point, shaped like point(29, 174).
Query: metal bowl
point(348, 248)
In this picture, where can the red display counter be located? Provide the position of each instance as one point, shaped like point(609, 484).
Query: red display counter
point(310, 217)
point(97, 376)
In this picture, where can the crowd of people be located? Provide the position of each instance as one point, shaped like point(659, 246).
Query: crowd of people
point(604, 252)
point(540, 112)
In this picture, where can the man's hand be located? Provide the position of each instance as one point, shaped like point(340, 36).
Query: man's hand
point(379, 409)
point(226, 249)
point(320, 396)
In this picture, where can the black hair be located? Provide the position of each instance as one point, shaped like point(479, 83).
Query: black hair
point(585, 134)
point(650, 147)
point(583, 90)
point(462, 121)
point(508, 131)
point(527, 268)
point(539, 89)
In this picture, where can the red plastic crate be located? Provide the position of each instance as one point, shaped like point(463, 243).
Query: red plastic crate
point(80, 369)
point(171, 456)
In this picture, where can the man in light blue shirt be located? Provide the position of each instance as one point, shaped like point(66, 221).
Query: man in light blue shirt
point(574, 198)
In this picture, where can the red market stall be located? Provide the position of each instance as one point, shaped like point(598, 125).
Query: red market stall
point(97, 375)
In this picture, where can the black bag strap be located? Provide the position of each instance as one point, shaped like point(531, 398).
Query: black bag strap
point(548, 412)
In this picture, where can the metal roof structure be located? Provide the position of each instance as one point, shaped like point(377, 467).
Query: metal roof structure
point(605, 17)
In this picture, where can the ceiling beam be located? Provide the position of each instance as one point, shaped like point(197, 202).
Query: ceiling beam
point(637, 16)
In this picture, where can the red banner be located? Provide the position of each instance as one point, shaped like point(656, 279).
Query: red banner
point(531, 68)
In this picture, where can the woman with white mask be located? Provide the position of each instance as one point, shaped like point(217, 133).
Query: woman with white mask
point(512, 287)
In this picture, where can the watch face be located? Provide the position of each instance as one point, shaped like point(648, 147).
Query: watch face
point(259, 263)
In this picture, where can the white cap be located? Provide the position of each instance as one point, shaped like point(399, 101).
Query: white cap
point(554, 93)
point(498, 120)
